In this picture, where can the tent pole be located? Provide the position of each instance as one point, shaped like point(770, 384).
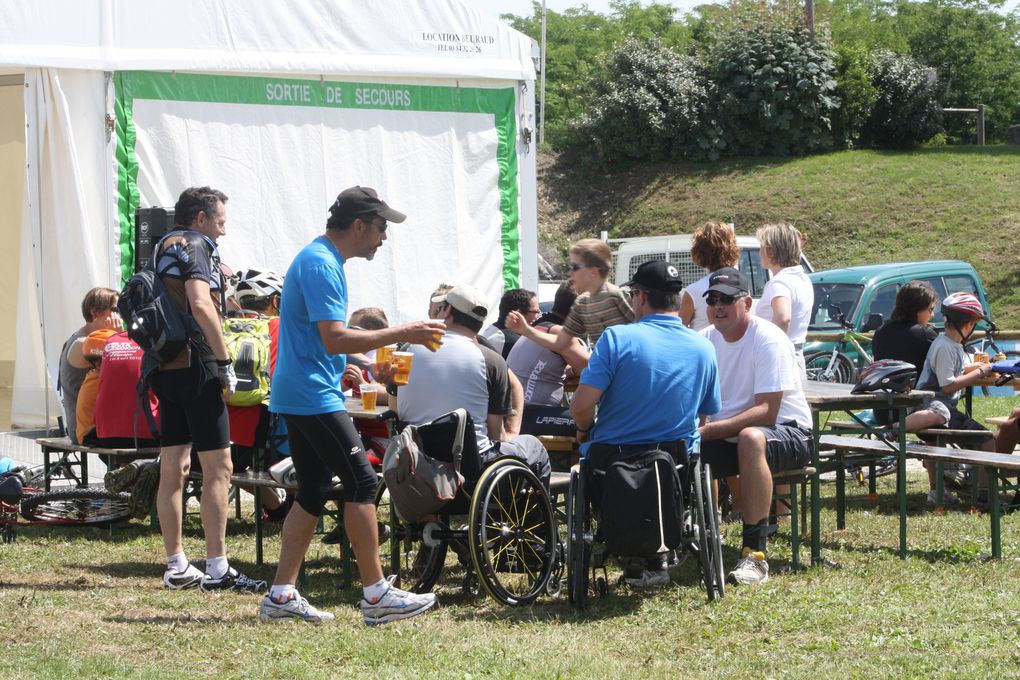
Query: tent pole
point(541, 93)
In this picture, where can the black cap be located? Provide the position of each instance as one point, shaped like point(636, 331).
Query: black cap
point(728, 281)
point(657, 275)
point(358, 201)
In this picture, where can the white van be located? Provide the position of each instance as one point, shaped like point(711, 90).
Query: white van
point(631, 253)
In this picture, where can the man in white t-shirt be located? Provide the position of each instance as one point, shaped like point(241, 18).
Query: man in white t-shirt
point(765, 423)
point(465, 374)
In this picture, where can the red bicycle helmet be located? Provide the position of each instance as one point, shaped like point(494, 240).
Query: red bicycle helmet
point(963, 305)
point(886, 375)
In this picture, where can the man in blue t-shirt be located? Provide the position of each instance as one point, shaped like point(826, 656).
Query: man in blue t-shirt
point(652, 381)
point(314, 340)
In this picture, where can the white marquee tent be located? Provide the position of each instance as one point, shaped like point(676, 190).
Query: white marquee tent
point(280, 105)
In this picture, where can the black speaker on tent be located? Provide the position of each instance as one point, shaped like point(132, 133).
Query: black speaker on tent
point(150, 226)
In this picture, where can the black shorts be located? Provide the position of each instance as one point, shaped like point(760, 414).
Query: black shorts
point(787, 447)
point(324, 445)
point(191, 409)
point(958, 420)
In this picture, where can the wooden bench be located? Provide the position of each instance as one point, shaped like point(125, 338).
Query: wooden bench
point(794, 479)
point(942, 436)
point(996, 463)
point(563, 451)
point(63, 447)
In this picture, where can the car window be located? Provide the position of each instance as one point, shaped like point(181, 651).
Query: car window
point(750, 266)
point(831, 300)
point(883, 302)
point(939, 285)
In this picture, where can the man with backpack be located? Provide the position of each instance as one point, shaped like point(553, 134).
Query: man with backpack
point(764, 425)
point(651, 380)
point(192, 389)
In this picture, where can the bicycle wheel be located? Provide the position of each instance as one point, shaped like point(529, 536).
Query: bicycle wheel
point(77, 506)
point(842, 369)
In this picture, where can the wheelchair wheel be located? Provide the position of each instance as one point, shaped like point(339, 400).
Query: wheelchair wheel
point(512, 533)
point(708, 537)
point(578, 549)
point(402, 549)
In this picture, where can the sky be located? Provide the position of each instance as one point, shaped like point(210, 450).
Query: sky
point(523, 7)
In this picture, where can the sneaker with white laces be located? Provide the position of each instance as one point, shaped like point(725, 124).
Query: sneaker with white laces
point(294, 609)
point(182, 580)
point(751, 570)
point(233, 580)
point(395, 604)
point(648, 579)
point(948, 498)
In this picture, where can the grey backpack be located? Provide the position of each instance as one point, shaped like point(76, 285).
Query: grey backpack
point(418, 484)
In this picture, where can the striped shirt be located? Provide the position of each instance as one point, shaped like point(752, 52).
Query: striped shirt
point(594, 313)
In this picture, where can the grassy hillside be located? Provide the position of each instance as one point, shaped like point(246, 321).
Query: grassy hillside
point(856, 207)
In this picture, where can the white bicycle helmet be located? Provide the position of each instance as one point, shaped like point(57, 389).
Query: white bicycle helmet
point(253, 284)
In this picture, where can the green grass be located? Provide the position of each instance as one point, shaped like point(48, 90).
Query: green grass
point(83, 603)
point(856, 207)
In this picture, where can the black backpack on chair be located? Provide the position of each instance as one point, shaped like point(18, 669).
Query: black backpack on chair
point(642, 504)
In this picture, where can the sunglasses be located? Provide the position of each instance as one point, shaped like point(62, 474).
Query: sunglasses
point(574, 266)
point(713, 299)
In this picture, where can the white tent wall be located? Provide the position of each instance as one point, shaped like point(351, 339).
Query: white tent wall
point(76, 222)
point(12, 188)
point(66, 240)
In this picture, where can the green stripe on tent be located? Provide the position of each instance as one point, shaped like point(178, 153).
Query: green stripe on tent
point(321, 94)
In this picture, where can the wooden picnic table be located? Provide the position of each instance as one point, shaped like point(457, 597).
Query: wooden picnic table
point(827, 397)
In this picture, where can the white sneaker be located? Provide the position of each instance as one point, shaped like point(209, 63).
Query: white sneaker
point(182, 580)
point(948, 498)
point(395, 604)
point(296, 607)
point(648, 579)
point(751, 570)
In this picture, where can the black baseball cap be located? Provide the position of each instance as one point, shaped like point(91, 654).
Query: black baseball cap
point(657, 275)
point(358, 201)
point(728, 281)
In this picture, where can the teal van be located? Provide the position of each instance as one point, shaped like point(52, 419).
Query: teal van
point(865, 296)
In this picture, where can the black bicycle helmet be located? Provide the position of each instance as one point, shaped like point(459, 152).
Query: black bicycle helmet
point(886, 375)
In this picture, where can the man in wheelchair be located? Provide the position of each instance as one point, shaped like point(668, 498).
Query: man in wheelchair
point(651, 381)
point(764, 425)
point(465, 374)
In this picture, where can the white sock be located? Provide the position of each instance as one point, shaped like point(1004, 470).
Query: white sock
point(373, 592)
point(177, 563)
point(283, 593)
point(216, 567)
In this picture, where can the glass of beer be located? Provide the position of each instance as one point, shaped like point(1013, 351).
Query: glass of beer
point(981, 357)
point(368, 396)
point(383, 355)
point(437, 336)
point(402, 363)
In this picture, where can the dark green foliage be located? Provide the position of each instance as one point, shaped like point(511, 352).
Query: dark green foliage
point(906, 111)
point(776, 91)
point(650, 106)
point(856, 92)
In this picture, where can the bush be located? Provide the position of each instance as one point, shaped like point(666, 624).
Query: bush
point(650, 106)
point(856, 92)
point(907, 110)
point(776, 90)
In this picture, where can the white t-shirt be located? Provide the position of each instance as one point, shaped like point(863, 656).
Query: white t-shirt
point(494, 336)
point(760, 362)
point(697, 292)
point(794, 285)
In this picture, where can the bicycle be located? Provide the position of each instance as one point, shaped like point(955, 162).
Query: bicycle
point(836, 366)
point(25, 505)
point(988, 345)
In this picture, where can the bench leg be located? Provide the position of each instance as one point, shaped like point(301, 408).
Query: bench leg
point(816, 510)
point(901, 480)
point(995, 512)
point(794, 527)
point(258, 526)
point(940, 484)
point(840, 492)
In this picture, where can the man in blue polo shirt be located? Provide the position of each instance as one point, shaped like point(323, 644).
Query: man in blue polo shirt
point(313, 344)
point(651, 380)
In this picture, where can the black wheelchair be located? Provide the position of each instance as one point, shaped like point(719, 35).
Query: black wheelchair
point(587, 553)
point(500, 525)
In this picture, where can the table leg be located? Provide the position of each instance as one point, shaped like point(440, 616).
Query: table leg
point(901, 479)
point(840, 492)
point(258, 524)
point(46, 469)
point(816, 510)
